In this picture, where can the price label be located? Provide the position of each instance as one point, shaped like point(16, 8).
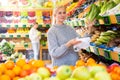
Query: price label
point(24, 26)
point(82, 22)
point(119, 57)
point(106, 20)
point(3, 36)
point(107, 54)
point(11, 36)
point(97, 23)
point(18, 36)
point(16, 26)
point(118, 18)
point(96, 50)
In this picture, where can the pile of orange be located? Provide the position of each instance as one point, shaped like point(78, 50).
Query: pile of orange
point(90, 62)
point(13, 71)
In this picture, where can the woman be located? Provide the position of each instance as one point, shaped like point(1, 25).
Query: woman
point(35, 36)
point(61, 39)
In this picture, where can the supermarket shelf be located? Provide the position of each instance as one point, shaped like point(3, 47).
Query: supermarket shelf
point(105, 20)
point(22, 25)
point(25, 9)
point(22, 47)
point(107, 54)
point(14, 35)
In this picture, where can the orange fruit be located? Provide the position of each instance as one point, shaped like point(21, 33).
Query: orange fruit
point(20, 62)
point(17, 70)
point(72, 67)
point(16, 78)
point(91, 60)
point(80, 63)
point(23, 73)
point(27, 67)
point(4, 77)
point(30, 61)
point(2, 68)
point(114, 76)
point(9, 64)
point(38, 63)
point(10, 73)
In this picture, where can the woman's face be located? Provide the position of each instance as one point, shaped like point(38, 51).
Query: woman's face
point(60, 15)
point(36, 25)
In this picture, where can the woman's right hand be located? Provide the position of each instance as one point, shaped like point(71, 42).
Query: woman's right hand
point(72, 42)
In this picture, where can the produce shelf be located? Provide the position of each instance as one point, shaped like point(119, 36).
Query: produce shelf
point(108, 54)
point(14, 35)
point(105, 20)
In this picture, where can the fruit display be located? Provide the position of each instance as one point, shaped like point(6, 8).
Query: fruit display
point(66, 72)
point(104, 37)
point(22, 30)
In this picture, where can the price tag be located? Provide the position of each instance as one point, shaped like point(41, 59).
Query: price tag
point(96, 50)
point(27, 36)
point(119, 57)
point(82, 22)
point(97, 23)
point(3, 36)
point(107, 54)
point(88, 49)
point(18, 36)
point(8, 26)
point(106, 20)
point(11, 36)
point(16, 26)
point(48, 25)
point(40, 25)
point(118, 18)
point(24, 26)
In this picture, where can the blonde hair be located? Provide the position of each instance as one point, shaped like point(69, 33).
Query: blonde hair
point(55, 11)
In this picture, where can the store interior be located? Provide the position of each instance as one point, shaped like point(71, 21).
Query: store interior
point(98, 61)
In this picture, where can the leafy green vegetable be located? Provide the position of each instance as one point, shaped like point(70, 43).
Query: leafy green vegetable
point(7, 48)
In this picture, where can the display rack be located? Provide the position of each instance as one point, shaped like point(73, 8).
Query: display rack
point(36, 14)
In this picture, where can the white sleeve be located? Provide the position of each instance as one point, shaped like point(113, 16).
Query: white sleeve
point(32, 35)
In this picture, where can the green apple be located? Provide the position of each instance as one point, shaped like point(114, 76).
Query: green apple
point(102, 76)
point(43, 72)
point(94, 69)
point(91, 79)
point(71, 79)
point(35, 76)
point(63, 72)
point(28, 78)
point(81, 73)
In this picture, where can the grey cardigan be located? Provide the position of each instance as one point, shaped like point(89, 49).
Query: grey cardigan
point(57, 36)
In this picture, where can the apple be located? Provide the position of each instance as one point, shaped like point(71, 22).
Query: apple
point(94, 69)
point(35, 76)
point(27, 78)
point(102, 76)
point(43, 72)
point(71, 79)
point(63, 72)
point(112, 66)
point(81, 73)
point(22, 79)
point(91, 79)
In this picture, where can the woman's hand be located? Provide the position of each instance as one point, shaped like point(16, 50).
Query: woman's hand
point(72, 42)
